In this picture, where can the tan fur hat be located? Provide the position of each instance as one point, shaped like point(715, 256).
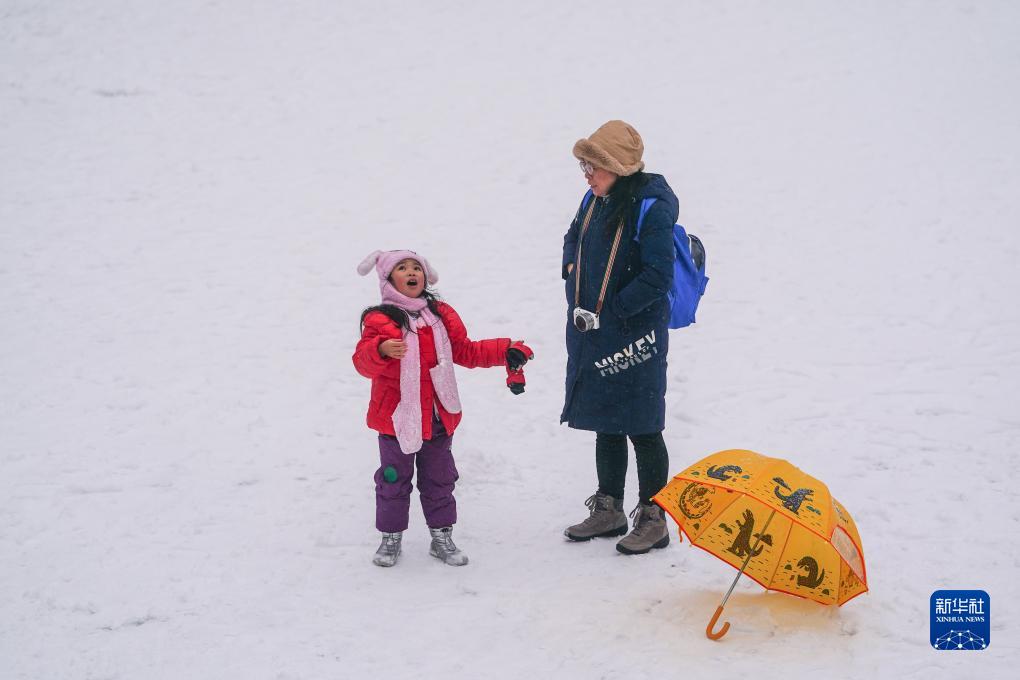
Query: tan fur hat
point(616, 147)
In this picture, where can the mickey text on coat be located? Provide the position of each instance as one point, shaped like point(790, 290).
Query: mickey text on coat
point(637, 352)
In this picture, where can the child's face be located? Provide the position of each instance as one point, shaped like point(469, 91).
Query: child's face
point(408, 278)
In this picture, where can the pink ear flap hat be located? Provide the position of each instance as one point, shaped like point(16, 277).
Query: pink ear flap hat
point(385, 260)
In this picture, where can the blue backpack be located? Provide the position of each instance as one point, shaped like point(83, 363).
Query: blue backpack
point(689, 280)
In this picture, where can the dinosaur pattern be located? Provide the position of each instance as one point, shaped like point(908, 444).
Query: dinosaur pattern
point(811, 579)
point(849, 582)
point(839, 511)
point(723, 473)
point(793, 500)
point(741, 546)
point(694, 501)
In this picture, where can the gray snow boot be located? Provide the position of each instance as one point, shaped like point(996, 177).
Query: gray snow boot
point(389, 549)
point(443, 547)
point(606, 519)
point(649, 531)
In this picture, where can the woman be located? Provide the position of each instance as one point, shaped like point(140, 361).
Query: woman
point(618, 312)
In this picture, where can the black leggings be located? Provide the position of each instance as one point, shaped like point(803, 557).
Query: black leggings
point(611, 463)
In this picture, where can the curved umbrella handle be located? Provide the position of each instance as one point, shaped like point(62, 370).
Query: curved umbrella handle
point(713, 635)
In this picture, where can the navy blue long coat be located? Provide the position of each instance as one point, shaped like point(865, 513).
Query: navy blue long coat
point(616, 375)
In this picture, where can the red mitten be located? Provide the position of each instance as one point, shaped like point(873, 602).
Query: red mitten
point(515, 381)
point(516, 356)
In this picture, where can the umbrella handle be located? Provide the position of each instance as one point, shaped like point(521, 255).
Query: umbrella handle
point(715, 635)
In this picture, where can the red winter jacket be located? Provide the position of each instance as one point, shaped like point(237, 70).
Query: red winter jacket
point(385, 372)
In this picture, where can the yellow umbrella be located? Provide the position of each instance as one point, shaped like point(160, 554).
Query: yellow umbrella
point(771, 520)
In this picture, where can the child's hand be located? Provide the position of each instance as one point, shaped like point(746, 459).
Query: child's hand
point(518, 355)
point(394, 349)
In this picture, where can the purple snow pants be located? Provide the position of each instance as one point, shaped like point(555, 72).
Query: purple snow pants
point(437, 475)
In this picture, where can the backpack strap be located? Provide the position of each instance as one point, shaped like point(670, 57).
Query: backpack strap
point(588, 195)
point(584, 201)
point(645, 206)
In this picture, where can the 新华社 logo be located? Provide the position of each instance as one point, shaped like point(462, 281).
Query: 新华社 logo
point(960, 619)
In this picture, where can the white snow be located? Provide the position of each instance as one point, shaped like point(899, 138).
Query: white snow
point(185, 191)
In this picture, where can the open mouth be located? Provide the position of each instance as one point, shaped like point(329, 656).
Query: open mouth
point(412, 283)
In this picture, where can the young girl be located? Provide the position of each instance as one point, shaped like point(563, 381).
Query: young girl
point(408, 347)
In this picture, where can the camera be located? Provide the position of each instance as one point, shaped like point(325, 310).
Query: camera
point(585, 320)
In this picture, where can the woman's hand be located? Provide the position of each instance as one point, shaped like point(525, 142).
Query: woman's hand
point(394, 349)
point(570, 268)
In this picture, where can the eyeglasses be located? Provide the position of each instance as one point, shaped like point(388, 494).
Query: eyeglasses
point(587, 168)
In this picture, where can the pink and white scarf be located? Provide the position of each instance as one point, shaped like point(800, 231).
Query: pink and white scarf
point(407, 418)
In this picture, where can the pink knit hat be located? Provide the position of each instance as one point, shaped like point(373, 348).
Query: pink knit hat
point(385, 260)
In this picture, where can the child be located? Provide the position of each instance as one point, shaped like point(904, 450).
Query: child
point(408, 347)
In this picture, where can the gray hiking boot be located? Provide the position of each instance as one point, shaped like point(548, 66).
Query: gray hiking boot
point(606, 519)
point(389, 549)
point(443, 547)
point(649, 531)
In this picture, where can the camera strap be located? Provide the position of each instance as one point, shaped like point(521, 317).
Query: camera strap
point(609, 266)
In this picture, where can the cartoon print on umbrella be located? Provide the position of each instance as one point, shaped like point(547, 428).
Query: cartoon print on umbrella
point(694, 501)
point(839, 511)
point(812, 579)
point(792, 501)
point(849, 581)
point(741, 546)
point(723, 473)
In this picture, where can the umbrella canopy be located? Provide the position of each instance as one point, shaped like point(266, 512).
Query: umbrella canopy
point(777, 524)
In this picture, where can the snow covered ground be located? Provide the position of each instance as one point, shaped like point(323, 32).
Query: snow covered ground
point(186, 188)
